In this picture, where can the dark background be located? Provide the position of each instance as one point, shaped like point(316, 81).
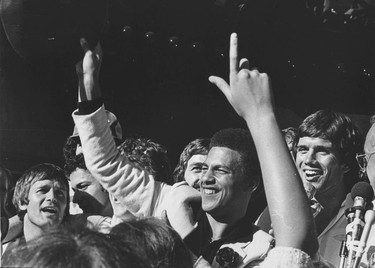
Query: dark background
point(157, 59)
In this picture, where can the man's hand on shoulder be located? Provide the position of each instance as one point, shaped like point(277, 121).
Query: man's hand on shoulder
point(179, 211)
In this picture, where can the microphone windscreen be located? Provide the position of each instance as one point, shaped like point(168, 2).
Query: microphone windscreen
point(362, 189)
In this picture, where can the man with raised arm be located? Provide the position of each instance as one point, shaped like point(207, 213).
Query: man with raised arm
point(134, 190)
point(230, 176)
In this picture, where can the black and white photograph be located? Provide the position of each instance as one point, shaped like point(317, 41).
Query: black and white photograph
point(174, 133)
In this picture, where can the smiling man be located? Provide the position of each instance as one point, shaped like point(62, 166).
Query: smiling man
point(189, 167)
point(41, 197)
point(231, 173)
point(326, 146)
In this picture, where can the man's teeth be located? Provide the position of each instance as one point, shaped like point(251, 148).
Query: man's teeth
point(312, 172)
point(209, 191)
point(50, 210)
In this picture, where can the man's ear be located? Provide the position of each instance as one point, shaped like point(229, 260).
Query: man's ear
point(22, 205)
point(253, 184)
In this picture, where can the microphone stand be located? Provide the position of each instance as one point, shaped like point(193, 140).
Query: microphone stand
point(343, 254)
point(369, 221)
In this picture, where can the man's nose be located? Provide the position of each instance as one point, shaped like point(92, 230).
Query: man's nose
point(310, 157)
point(207, 178)
point(51, 196)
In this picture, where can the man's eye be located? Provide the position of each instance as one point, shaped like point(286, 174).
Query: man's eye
point(43, 190)
point(82, 186)
point(197, 169)
point(301, 149)
point(323, 152)
point(221, 171)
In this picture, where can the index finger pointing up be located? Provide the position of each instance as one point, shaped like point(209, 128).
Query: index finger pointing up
point(233, 54)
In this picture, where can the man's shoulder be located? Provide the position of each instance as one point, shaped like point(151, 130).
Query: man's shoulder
point(8, 246)
point(84, 220)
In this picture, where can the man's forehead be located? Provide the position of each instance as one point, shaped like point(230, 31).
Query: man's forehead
point(314, 142)
point(197, 158)
point(222, 154)
point(49, 182)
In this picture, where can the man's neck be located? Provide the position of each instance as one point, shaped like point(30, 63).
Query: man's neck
point(30, 230)
point(220, 226)
point(331, 202)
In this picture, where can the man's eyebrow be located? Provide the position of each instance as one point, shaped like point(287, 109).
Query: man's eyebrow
point(323, 147)
point(222, 166)
point(39, 185)
point(197, 163)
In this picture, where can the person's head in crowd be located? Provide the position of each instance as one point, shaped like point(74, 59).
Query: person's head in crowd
point(41, 197)
point(89, 194)
point(231, 173)
point(366, 161)
point(85, 249)
point(7, 184)
point(290, 134)
point(153, 238)
point(150, 155)
point(189, 167)
point(326, 145)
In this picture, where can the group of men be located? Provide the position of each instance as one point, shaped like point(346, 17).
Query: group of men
point(220, 174)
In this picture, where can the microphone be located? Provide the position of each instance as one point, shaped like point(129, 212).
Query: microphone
point(369, 221)
point(361, 193)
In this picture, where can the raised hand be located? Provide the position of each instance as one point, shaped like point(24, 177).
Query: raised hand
point(248, 91)
point(250, 94)
point(88, 72)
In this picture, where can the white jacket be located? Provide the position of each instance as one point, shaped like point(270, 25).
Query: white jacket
point(133, 191)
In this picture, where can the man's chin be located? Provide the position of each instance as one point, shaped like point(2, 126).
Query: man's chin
point(52, 224)
point(209, 208)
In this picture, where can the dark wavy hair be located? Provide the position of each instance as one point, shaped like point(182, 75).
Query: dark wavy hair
point(197, 146)
point(40, 172)
point(72, 161)
point(290, 135)
point(156, 241)
point(85, 249)
point(240, 140)
point(342, 132)
point(150, 155)
point(8, 184)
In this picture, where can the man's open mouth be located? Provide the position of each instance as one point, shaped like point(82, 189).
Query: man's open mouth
point(210, 191)
point(49, 209)
point(312, 174)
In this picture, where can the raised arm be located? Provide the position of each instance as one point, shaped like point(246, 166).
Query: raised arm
point(132, 186)
point(249, 92)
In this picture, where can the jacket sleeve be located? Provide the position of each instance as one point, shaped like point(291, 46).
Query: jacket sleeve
point(131, 185)
point(286, 257)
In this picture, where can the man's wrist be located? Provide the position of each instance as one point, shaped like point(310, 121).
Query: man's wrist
point(258, 119)
point(88, 107)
